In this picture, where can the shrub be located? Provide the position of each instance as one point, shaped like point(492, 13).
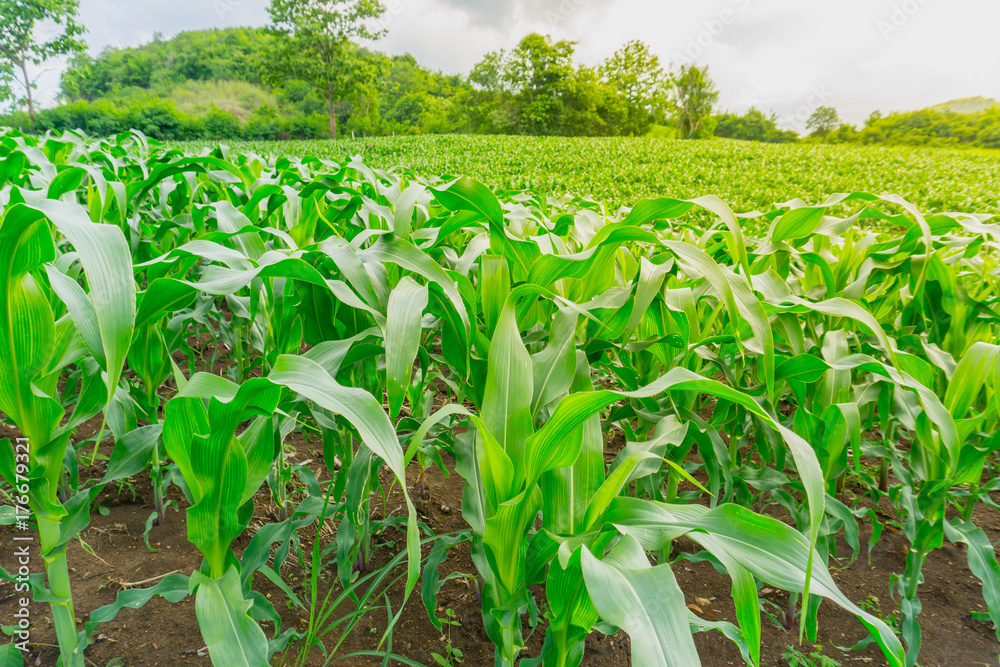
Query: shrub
point(219, 124)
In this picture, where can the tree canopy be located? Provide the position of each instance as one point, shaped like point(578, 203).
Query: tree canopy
point(314, 43)
point(694, 97)
point(823, 121)
point(754, 125)
point(21, 46)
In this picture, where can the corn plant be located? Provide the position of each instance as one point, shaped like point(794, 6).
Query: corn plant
point(96, 325)
point(744, 360)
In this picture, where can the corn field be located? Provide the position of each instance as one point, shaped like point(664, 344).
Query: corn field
point(619, 171)
point(208, 307)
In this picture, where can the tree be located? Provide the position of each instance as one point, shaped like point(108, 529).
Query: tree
point(752, 126)
point(538, 72)
point(314, 44)
point(823, 121)
point(20, 47)
point(594, 108)
point(636, 73)
point(489, 74)
point(525, 90)
point(694, 96)
point(491, 104)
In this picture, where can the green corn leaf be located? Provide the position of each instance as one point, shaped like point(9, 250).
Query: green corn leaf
point(651, 277)
point(739, 298)
point(507, 398)
point(412, 259)
point(164, 295)
point(974, 370)
point(403, 210)
point(106, 316)
point(634, 466)
point(769, 549)
point(402, 338)
point(494, 285)
point(201, 441)
point(796, 224)
point(554, 368)
point(173, 588)
point(360, 408)
point(132, 453)
point(739, 251)
point(745, 595)
point(982, 561)
point(567, 492)
point(468, 194)
point(232, 221)
point(644, 601)
point(571, 614)
point(232, 636)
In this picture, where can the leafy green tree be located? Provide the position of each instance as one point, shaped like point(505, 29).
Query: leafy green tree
point(694, 96)
point(417, 100)
point(932, 127)
point(845, 134)
point(636, 73)
point(539, 72)
point(314, 44)
point(490, 73)
point(990, 136)
point(823, 121)
point(586, 106)
point(491, 103)
point(21, 46)
point(752, 126)
point(535, 89)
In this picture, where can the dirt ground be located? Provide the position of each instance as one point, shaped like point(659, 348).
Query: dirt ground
point(164, 633)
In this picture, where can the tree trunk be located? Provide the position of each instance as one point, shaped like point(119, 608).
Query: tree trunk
point(332, 108)
point(27, 88)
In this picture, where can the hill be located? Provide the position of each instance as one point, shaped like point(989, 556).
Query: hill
point(217, 73)
point(240, 98)
point(967, 105)
point(208, 84)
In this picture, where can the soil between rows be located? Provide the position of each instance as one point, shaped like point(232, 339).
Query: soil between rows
point(164, 633)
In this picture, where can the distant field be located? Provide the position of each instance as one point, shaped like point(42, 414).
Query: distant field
point(619, 172)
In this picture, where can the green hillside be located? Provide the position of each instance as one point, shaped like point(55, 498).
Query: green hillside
point(240, 98)
point(967, 105)
point(214, 84)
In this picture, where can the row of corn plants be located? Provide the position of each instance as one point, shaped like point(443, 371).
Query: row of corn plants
point(208, 307)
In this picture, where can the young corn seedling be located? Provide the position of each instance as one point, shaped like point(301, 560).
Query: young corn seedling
point(562, 463)
point(35, 350)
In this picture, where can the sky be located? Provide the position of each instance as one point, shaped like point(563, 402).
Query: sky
point(786, 56)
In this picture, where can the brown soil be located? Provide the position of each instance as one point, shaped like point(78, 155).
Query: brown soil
point(162, 633)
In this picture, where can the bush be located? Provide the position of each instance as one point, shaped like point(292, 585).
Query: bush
point(990, 137)
point(219, 124)
point(313, 126)
point(264, 124)
point(753, 126)
point(159, 118)
point(163, 121)
point(16, 119)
